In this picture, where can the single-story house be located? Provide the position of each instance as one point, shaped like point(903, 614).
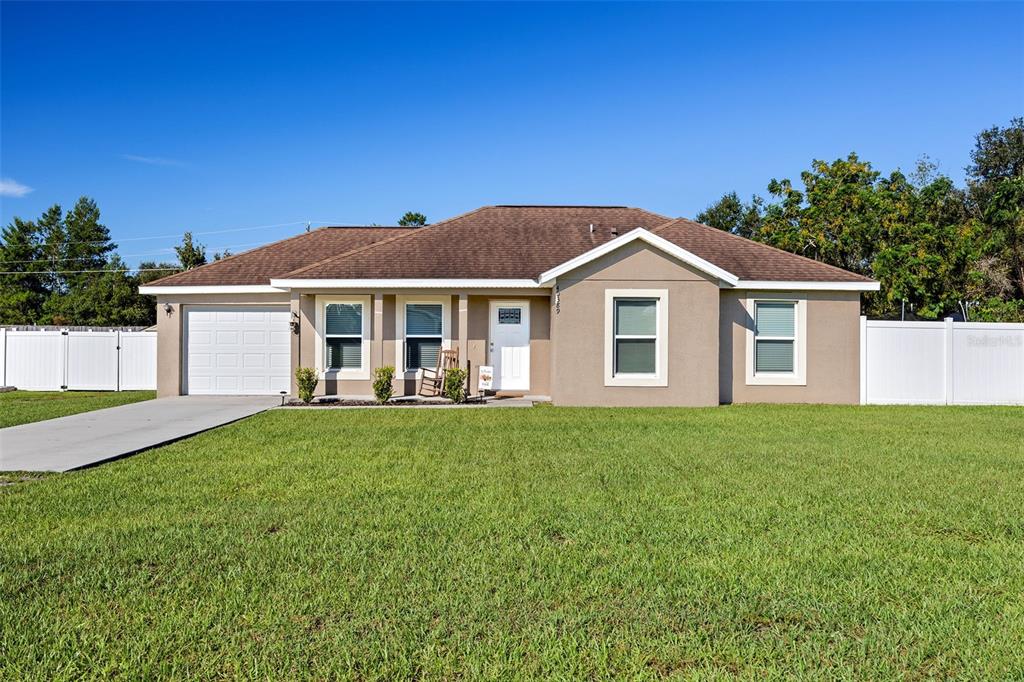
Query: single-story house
point(586, 305)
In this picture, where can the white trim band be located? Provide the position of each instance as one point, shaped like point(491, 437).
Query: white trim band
point(211, 289)
point(406, 283)
point(806, 286)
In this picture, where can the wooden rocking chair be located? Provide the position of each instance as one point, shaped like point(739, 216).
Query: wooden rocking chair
point(433, 379)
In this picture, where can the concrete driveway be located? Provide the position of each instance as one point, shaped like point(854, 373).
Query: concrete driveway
point(82, 440)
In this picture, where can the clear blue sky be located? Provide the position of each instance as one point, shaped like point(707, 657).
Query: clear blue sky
point(209, 117)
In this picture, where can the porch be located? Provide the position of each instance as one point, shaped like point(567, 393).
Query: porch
point(345, 335)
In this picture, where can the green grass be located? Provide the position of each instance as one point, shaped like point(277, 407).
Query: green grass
point(23, 407)
point(753, 541)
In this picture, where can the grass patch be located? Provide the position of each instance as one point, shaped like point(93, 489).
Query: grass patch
point(750, 541)
point(23, 407)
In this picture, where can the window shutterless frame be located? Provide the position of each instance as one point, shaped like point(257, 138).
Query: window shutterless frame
point(776, 335)
point(616, 339)
point(343, 339)
point(418, 336)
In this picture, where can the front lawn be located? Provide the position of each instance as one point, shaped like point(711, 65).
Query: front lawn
point(22, 407)
point(838, 542)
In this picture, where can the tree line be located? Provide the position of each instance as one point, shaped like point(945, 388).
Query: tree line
point(63, 269)
point(936, 248)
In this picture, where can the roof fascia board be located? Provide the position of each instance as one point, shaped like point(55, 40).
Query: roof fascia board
point(405, 283)
point(654, 240)
point(210, 289)
point(806, 286)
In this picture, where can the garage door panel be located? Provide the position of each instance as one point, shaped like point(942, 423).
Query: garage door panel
point(237, 349)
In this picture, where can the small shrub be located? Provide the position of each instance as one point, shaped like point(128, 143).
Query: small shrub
point(383, 383)
point(455, 385)
point(306, 378)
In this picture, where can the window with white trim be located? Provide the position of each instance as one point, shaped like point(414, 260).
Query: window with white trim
point(423, 334)
point(774, 337)
point(636, 336)
point(343, 336)
point(777, 340)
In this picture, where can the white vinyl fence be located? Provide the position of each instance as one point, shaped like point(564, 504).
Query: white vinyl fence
point(941, 363)
point(78, 360)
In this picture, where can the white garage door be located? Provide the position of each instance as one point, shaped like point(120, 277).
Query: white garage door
point(243, 350)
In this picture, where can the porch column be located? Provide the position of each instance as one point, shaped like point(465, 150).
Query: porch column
point(377, 344)
point(463, 330)
point(295, 313)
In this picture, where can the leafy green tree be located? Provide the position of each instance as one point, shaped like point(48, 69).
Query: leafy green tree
point(732, 215)
point(926, 248)
point(21, 295)
point(998, 155)
point(190, 254)
point(411, 219)
point(836, 220)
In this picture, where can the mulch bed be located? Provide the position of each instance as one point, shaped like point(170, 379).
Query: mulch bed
point(371, 403)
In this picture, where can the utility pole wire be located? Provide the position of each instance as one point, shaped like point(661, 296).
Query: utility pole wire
point(82, 272)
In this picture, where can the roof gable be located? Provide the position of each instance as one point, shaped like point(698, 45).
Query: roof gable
point(640, 234)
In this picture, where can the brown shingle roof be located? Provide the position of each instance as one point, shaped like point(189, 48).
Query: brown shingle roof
point(274, 260)
point(748, 259)
point(495, 242)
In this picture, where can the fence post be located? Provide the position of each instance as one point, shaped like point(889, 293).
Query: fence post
point(947, 355)
point(117, 381)
point(863, 359)
point(3, 356)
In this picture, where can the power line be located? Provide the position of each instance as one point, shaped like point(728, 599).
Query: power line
point(82, 272)
point(163, 252)
point(200, 234)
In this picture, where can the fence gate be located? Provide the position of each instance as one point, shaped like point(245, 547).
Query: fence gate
point(78, 360)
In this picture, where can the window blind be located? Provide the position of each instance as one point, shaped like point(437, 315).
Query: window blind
point(345, 319)
point(344, 353)
point(775, 318)
point(423, 319)
point(636, 317)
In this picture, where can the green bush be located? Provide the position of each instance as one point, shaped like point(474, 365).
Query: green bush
point(306, 378)
point(383, 383)
point(455, 385)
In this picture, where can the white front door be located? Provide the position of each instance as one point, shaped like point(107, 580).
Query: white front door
point(510, 345)
point(236, 349)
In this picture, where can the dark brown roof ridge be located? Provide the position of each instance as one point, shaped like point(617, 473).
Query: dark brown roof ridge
point(762, 245)
point(597, 206)
point(418, 230)
point(235, 255)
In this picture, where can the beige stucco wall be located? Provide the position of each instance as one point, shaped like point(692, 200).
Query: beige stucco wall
point(170, 328)
point(578, 331)
point(833, 351)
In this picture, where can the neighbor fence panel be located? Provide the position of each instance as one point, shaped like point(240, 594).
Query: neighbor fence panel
point(138, 361)
point(35, 361)
point(988, 363)
point(942, 363)
point(102, 360)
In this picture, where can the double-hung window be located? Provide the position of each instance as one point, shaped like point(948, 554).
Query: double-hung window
point(343, 330)
point(343, 336)
point(423, 334)
point(636, 337)
point(776, 341)
point(774, 336)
